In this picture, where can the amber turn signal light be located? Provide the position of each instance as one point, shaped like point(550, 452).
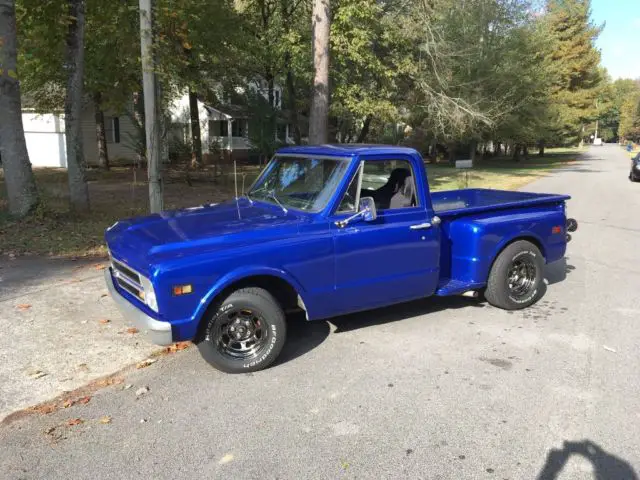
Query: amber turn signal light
point(182, 289)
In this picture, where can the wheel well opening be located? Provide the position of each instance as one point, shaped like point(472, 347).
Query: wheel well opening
point(284, 293)
point(533, 240)
point(529, 239)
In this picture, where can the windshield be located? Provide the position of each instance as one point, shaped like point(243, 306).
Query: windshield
point(303, 183)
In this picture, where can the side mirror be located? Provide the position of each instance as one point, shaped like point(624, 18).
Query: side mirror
point(366, 211)
point(367, 208)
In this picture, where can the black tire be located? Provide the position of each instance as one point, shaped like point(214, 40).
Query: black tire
point(516, 277)
point(245, 334)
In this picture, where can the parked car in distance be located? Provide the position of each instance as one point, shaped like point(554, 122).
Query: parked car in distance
point(328, 230)
point(634, 174)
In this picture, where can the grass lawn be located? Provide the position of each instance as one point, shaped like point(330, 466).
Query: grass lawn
point(122, 192)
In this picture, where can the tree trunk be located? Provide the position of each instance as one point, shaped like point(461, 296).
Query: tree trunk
point(21, 186)
point(365, 129)
point(78, 191)
point(196, 140)
point(472, 151)
point(541, 148)
point(516, 152)
point(101, 134)
point(497, 150)
point(525, 151)
point(452, 153)
point(151, 117)
point(319, 117)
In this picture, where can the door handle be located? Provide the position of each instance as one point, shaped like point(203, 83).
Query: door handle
point(420, 226)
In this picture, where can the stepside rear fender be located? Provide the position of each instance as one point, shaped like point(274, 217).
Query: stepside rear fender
point(471, 243)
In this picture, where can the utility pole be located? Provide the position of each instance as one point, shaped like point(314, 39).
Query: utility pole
point(150, 91)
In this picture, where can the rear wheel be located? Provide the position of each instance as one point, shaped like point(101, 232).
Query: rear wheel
point(516, 277)
point(246, 333)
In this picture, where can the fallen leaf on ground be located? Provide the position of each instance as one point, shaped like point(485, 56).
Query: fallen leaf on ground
point(74, 421)
point(45, 409)
point(177, 347)
point(23, 306)
point(146, 363)
point(36, 374)
point(105, 382)
point(226, 459)
point(104, 295)
point(105, 419)
point(68, 403)
point(104, 321)
point(50, 430)
point(85, 400)
point(132, 330)
point(99, 266)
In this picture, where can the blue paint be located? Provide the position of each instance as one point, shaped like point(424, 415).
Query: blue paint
point(334, 270)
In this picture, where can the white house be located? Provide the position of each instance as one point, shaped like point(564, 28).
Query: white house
point(225, 128)
point(45, 137)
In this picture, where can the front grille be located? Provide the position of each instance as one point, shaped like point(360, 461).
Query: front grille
point(127, 279)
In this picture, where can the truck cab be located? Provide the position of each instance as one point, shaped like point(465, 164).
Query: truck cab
point(330, 230)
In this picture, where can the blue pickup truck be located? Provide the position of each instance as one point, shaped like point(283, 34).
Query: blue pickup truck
point(329, 230)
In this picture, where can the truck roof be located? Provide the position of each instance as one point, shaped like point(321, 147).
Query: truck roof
point(347, 150)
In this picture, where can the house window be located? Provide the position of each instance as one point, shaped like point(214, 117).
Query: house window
point(219, 128)
point(238, 128)
point(112, 129)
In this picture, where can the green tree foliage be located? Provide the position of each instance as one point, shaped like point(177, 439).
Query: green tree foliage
point(610, 102)
point(630, 116)
point(575, 67)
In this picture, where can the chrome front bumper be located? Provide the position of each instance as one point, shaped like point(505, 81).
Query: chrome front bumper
point(160, 332)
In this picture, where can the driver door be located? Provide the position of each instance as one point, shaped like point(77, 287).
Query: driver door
point(391, 259)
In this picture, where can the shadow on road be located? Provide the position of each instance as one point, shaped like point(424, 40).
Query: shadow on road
point(557, 272)
point(605, 465)
point(302, 337)
point(401, 311)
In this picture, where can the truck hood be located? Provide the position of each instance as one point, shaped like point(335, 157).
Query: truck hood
point(142, 241)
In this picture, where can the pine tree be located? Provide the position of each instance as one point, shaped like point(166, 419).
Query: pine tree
point(575, 62)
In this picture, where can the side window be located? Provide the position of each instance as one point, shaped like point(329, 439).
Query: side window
point(391, 183)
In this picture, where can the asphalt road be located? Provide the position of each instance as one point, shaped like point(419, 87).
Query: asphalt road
point(437, 389)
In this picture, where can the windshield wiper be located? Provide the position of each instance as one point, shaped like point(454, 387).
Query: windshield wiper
point(272, 194)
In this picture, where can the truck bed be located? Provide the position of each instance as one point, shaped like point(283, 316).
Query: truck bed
point(475, 200)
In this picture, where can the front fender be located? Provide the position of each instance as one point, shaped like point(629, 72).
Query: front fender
point(238, 275)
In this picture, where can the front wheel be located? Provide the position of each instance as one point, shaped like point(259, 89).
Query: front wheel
point(246, 333)
point(516, 277)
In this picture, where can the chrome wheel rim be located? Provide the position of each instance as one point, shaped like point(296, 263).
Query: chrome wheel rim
point(521, 277)
point(240, 334)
